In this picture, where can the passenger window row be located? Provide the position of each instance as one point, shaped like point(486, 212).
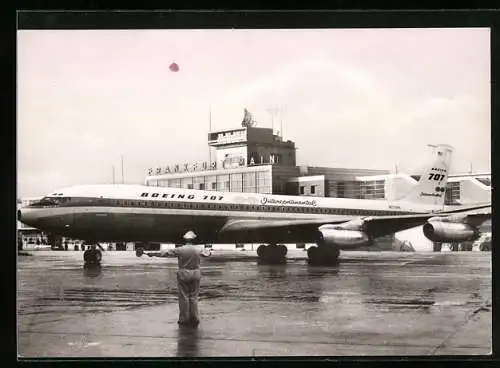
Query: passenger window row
point(258, 208)
point(56, 202)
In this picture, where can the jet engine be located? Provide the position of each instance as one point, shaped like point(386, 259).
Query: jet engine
point(448, 232)
point(343, 238)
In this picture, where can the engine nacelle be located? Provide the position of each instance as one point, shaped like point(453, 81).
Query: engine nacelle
point(448, 232)
point(343, 239)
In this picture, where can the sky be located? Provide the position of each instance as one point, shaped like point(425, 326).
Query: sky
point(353, 98)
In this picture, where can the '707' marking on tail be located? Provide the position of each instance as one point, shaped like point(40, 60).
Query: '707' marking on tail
point(437, 177)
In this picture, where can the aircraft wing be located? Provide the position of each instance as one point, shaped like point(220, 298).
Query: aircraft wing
point(269, 230)
point(292, 231)
point(385, 225)
point(480, 207)
point(306, 230)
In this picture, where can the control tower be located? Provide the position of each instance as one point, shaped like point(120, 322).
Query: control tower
point(244, 159)
point(250, 146)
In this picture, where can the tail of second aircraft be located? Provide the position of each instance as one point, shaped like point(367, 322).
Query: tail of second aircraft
point(430, 189)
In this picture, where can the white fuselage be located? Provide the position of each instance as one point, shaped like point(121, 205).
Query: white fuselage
point(135, 212)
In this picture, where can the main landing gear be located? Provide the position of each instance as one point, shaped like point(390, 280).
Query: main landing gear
point(436, 247)
point(272, 253)
point(323, 255)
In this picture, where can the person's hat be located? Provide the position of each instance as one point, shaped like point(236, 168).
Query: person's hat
point(189, 235)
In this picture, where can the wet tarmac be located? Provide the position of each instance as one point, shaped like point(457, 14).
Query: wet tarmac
point(385, 303)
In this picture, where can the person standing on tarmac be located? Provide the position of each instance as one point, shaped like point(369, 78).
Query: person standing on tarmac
point(188, 278)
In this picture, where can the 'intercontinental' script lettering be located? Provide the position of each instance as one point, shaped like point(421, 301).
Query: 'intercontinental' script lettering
point(266, 200)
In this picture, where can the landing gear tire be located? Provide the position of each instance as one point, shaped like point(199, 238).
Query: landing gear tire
point(323, 256)
point(454, 247)
point(436, 247)
point(485, 248)
point(261, 251)
point(465, 247)
point(283, 250)
point(92, 257)
point(272, 254)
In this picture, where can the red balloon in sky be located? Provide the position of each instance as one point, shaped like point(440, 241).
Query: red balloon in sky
point(174, 67)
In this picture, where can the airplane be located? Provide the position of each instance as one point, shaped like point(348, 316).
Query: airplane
point(125, 212)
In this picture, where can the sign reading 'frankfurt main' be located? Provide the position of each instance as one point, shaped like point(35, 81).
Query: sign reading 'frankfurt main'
point(229, 162)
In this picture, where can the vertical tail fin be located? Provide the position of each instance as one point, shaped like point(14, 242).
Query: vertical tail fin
point(431, 187)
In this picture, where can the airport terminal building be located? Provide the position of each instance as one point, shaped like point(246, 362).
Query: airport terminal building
point(253, 159)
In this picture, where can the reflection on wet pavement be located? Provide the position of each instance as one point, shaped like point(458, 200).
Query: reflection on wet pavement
point(188, 342)
point(375, 300)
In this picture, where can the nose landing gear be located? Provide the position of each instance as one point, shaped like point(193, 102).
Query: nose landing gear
point(92, 256)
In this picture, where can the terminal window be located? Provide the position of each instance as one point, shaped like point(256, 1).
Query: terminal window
point(340, 190)
point(452, 194)
point(263, 181)
point(190, 186)
point(249, 182)
point(313, 189)
point(222, 182)
point(214, 186)
point(302, 190)
point(236, 182)
point(199, 182)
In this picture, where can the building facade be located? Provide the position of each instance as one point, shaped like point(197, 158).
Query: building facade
point(247, 159)
point(254, 160)
point(248, 146)
point(266, 179)
point(337, 183)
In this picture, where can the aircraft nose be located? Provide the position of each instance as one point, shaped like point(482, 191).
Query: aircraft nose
point(26, 217)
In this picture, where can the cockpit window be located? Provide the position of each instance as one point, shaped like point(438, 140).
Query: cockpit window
point(48, 202)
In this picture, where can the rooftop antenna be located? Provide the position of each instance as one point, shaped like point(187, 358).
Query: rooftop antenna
point(470, 168)
point(281, 121)
point(272, 122)
point(209, 132)
point(272, 111)
point(123, 178)
point(113, 174)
